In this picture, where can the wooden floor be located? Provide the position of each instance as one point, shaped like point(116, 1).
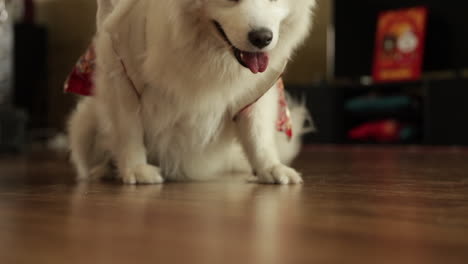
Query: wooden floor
point(358, 205)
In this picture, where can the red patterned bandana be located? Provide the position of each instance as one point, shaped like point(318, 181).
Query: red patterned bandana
point(283, 124)
point(80, 80)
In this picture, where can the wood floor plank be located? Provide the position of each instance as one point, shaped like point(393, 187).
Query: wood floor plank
point(358, 205)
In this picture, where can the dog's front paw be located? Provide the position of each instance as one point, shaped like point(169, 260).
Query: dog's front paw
point(278, 174)
point(143, 174)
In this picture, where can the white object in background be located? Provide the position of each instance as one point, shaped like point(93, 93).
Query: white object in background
point(14, 10)
point(3, 12)
point(6, 54)
point(366, 80)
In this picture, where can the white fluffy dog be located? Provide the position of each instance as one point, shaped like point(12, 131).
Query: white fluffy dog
point(170, 77)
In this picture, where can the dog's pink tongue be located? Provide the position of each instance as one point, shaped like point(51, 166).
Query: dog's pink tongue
point(255, 61)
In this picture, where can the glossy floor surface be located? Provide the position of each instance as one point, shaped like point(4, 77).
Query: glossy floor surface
point(358, 205)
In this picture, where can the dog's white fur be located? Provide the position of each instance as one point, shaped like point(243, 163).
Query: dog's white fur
point(181, 126)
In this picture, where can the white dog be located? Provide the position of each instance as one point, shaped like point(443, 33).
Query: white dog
point(175, 80)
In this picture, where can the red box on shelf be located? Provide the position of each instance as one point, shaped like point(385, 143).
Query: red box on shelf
point(399, 49)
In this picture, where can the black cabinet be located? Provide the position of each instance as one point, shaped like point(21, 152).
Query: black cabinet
point(31, 75)
point(430, 112)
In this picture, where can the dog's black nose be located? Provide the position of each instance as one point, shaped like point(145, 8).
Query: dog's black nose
point(261, 38)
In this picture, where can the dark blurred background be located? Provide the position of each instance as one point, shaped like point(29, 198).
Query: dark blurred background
point(42, 39)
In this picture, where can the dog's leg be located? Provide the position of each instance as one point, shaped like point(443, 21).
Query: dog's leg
point(256, 130)
point(122, 105)
point(82, 138)
point(128, 146)
point(87, 153)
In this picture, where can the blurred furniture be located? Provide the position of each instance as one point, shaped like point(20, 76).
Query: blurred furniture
point(438, 111)
point(434, 110)
point(12, 129)
point(30, 82)
point(355, 23)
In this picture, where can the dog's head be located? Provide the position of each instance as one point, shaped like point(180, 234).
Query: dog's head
point(255, 28)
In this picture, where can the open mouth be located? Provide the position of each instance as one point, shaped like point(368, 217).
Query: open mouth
point(254, 61)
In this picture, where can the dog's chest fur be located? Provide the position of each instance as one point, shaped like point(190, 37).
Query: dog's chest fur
point(186, 122)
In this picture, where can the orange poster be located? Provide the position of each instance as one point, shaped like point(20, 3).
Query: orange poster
point(399, 47)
